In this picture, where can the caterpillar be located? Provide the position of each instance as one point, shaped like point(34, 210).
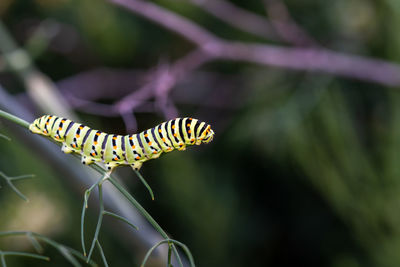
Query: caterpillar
point(116, 150)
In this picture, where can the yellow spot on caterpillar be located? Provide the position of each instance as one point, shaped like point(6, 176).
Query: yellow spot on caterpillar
point(188, 125)
point(173, 126)
point(93, 154)
point(97, 134)
point(47, 123)
point(77, 135)
point(62, 121)
point(60, 128)
point(81, 127)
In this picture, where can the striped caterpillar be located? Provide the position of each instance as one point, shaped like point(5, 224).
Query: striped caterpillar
point(115, 150)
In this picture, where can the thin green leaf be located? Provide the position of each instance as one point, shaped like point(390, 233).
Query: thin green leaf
point(26, 176)
point(25, 254)
point(120, 218)
point(5, 137)
point(83, 226)
point(67, 254)
point(102, 253)
point(34, 242)
point(145, 184)
point(3, 260)
point(99, 221)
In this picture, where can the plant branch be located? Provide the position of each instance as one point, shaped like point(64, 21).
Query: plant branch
point(9, 180)
point(67, 252)
point(304, 59)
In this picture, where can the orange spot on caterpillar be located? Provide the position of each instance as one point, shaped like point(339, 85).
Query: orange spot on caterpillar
point(115, 138)
point(60, 128)
point(154, 152)
point(189, 131)
point(130, 138)
point(93, 154)
point(133, 147)
point(62, 121)
point(47, 123)
point(95, 143)
point(188, 125)
point(159, 130)
point(149, 143)
point(115, 158)
point(173, 126)
point(175, 134)
point(115, 147)
point(163, 139)
point(45, 131)
point(146, 135)
point(57, 137)
point(97, 134)
point(73, 145)
point(81, 127)
point(77, 135)
point(137, 157)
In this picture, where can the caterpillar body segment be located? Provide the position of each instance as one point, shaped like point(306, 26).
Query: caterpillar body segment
point(116, 150)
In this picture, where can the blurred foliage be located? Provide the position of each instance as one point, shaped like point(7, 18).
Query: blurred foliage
point(304, 171)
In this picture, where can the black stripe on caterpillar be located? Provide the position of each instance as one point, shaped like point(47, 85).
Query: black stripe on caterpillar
point(116, 150)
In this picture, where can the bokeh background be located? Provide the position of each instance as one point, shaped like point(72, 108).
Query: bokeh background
point(303, 96)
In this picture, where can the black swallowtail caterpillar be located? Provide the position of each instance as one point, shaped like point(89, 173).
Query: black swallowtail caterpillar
point(115, 150)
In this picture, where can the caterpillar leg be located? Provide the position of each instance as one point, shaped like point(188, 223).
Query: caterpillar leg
point(136, 166)
point(182, 147)
point(111, 165)
point(66, 149)
point(86, 160)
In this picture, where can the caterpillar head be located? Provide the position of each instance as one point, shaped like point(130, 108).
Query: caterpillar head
point(38, 125)
point(207, 135)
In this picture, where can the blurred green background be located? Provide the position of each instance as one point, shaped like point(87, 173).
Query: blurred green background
point(304, 168)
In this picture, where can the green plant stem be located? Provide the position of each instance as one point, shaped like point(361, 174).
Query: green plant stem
point(67, 252)
point(103, 257)
point(145, 214)
point(99, 221)
point(145, 184)
point(24, 254)
point(14, 119)
point(170, 243)
point(10, 183)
